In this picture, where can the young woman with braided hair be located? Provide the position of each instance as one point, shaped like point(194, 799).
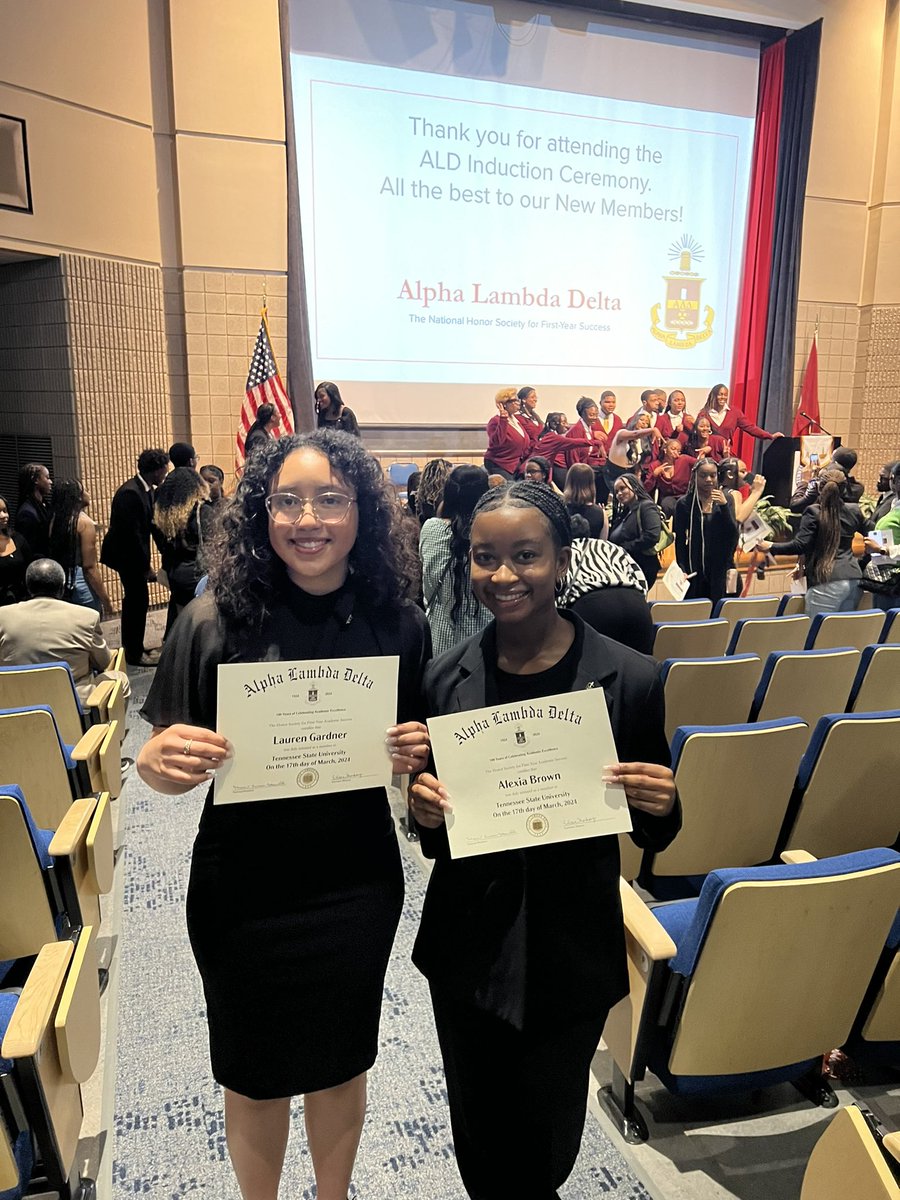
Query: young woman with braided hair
point(825, 539)
point(706, 533)
point(524, 949)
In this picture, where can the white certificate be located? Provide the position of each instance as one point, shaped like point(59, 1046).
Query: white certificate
point(305, 728)
point(675, 581)
point(753, 531)
point(528, 774)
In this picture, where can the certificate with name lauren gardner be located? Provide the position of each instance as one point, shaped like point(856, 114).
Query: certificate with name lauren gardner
point(524, 774)
point(305, 728)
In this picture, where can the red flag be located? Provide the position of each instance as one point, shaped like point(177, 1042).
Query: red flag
point(264, 386)
point(806, 418)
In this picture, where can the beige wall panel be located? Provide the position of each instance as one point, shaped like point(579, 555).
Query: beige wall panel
point(93, 180)
point(847, 100)
point(233, 204)
point(891, 191)
point(91, 52)
point(226, 64)
point(887, 279)
point(833, 247)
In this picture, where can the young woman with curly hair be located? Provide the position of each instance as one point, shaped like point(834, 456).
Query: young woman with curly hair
point(430, 491)
point(293, 904)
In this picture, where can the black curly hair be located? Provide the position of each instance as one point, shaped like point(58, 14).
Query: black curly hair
point(246, 575)
point(525, 494)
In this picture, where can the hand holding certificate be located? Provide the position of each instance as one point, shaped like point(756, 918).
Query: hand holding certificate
point(519, 775)
point(305, 728)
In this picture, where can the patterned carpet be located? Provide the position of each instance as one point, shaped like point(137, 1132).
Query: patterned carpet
point(169, 1138)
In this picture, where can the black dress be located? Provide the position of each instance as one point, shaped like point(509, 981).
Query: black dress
point(638, 532)
point(292, 905)
point(12, 571)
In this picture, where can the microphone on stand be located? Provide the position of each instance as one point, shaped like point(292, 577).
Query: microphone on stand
point(814, 421)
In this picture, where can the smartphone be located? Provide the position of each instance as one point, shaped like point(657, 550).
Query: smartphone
point(814, 460)
point(750, 478)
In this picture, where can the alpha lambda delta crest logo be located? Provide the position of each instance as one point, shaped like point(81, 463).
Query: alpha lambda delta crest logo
point(680, 329)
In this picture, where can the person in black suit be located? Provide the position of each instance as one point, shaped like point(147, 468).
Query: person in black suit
point(126, 548)
point(524, 950)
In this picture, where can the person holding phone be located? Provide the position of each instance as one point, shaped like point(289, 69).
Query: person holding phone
point(746, 486)
point(524, 949)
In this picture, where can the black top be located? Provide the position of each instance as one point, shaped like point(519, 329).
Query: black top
point(257, 435)
point(182, 557)
point(704, 542)
point(301, 626)
point(638, 532)
point(33, 522)
point(535, 935)
point(593, 514)
point(12, 571)
point(846, 565)
point(346, 422)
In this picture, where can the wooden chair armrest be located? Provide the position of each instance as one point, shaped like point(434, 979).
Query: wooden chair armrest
point(100, 849)
point(891, 1143)
point(109, 775)
point(39, 997)
point(644, 927)
point(89, 744)
point(73, 828)
point(118, 660)
point(796, 857)
point(98, 700)
point(77, 1020)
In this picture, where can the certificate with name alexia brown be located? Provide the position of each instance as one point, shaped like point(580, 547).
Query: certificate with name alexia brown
point(528, 774)
point(305, 728)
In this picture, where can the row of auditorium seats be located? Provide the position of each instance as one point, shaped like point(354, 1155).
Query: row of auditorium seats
point(62, 759)
point(730, 607)
point(747, 984)
point(750, 962)
point(749, 792)
point(787, 683)
point(741, 633)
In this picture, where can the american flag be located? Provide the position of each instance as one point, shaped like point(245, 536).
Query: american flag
point(264, 386)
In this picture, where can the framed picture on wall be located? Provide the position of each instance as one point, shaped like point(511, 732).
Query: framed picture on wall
point(15, 180)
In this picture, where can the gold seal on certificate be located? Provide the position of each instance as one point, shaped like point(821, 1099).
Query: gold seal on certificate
point(529, 773)
point(305, 728)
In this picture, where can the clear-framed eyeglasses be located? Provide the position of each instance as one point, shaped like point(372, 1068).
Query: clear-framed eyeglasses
point(328, 507)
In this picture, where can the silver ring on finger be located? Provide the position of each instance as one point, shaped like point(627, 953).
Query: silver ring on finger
point(187, 745)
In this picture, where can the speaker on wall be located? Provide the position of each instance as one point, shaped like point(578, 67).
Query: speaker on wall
point(15, 181)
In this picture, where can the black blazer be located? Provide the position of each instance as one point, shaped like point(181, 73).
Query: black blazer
point(473, 939)
point(126, 546)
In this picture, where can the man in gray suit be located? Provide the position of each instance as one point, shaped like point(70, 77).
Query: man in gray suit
point(47, 628)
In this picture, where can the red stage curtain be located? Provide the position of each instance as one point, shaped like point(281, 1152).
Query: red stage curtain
point(750, 334)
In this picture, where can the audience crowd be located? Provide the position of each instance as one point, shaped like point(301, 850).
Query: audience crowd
point(491, 586)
